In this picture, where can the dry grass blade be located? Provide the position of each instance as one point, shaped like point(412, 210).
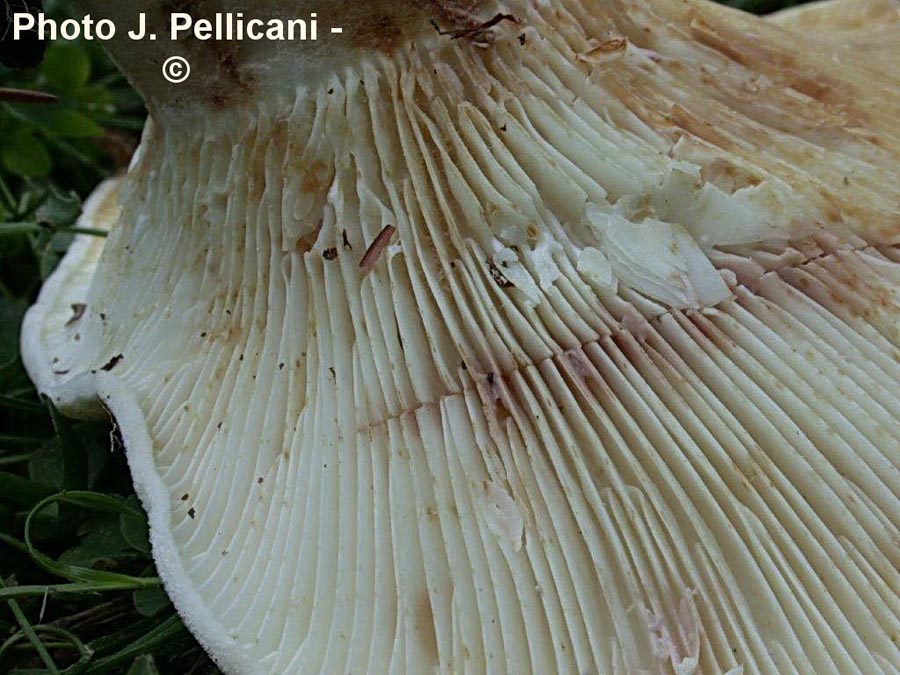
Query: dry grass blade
point(373, 254)
point(477, 31)
point(8, 95)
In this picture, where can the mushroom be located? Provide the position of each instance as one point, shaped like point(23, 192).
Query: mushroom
point(528, 337)
point(865, 31)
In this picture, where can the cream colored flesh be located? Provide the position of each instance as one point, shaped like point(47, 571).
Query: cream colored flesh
point(620, 396)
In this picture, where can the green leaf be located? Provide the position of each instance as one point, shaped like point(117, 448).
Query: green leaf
point(21, 491)
point(28, 631)
point(134, 527)
point(11, 313)
point(18, 440)
point(22, 405)
point(66, 67)
point(75, 469)
point(59, 634)
point(7, 199)
point(151, 601)
point(143, 665)
point(47, 465)
point(78, 588)
point(14, 380)
point(14, 229)
point(95, 502)
point(62, 122)
point(162, 635)
point(33, 197)
point(48, 262)
point(96, 99)
point(61, 241)
point(103, 542)
point(112, 642)
point(98, 451)
point(59, 209)
point(23, 154)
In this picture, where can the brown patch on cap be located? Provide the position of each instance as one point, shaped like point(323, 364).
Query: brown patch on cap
point(385, 25)
point(612, 48)
point(775, 60)
point(702, 129)
point(502, 412)
point(380, 25)
point(425, 626)
point(383, 33)
point(225, 81)
point(316, 178)
point(307, 241)
point(729, 176)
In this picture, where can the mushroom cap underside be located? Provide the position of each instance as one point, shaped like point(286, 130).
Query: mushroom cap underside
point(865, 32)
point(575, 351)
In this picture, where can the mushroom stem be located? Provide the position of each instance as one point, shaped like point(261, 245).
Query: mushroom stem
point(226, 72)
point(141, 61)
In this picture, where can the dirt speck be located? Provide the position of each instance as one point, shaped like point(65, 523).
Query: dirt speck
point(78, 310)
point(112, 363)
point(425, 626)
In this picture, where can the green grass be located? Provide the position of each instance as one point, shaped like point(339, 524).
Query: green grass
point(78, 591)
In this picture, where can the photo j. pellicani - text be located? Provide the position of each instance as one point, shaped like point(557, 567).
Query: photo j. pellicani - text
point(222, 27)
